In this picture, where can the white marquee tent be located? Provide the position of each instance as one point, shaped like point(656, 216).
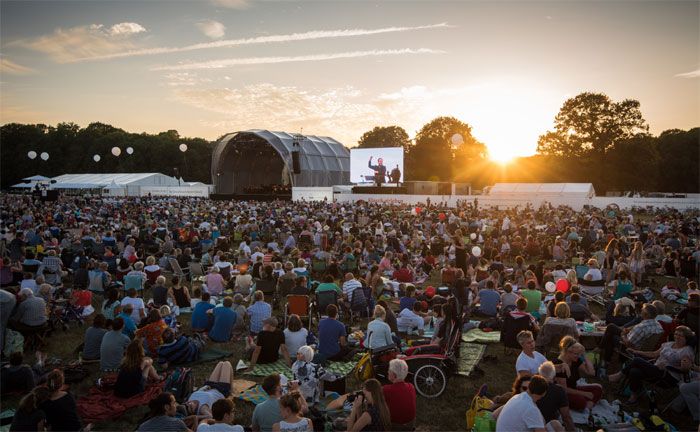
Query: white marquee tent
point(565, 190)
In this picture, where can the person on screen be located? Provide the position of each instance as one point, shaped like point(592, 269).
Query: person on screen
point(395, 175)
point(379, 170)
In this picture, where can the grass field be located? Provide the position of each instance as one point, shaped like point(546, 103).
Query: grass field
point(446, 413)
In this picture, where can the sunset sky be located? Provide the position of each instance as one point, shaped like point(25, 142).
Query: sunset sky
point(335, 68)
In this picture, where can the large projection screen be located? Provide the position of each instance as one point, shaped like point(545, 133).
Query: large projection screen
point(361, 172)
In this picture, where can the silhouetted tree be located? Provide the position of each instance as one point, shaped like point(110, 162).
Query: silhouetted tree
point(385, 136)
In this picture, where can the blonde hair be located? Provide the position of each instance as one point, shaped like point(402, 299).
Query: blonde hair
point(379, 312)
point(562, 311)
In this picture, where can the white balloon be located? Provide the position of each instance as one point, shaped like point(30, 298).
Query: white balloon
point(476, 251)
point(183, 147)
point(457, 139)
point(96, 158)
point(472, 236)
point(116, 151)
point(44, 156)
point(130, 150)
point(31, 155)
point(550, 287)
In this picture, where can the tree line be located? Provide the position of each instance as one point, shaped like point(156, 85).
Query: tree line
point(594, 139)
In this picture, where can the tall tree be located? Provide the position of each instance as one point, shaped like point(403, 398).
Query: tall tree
point(385, 136)
point(443, 147)
point(679, 164)
point(589, 124)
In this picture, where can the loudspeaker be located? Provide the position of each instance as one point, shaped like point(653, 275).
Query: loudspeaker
point(296, 167)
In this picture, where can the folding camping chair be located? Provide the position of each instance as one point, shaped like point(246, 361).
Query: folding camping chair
point(298, 305)
point(196, 271)
point(177, 270)
point(323, 299)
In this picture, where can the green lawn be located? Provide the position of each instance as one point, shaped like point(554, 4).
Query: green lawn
point(444, 413)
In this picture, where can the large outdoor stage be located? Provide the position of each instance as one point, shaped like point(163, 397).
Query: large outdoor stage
point(251, 197)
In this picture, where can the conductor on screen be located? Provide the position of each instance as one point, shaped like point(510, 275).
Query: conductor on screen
point(395, 175)
point(379, 170)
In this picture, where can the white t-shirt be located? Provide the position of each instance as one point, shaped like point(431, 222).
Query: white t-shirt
point(530, 364)
point(137, 303)
point(295, 340)
point(595, 274)
point(219, 427)
point(520, 414)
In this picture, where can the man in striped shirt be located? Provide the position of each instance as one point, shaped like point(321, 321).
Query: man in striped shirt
point(30, 315)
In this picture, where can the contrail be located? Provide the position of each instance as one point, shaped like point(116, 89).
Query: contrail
point(219, 64)
point(293, 37)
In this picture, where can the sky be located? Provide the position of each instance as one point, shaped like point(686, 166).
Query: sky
point(340, 68)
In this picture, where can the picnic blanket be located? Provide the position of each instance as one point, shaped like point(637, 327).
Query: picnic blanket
point(480, 336)
point(239, 386)
point(101, 404)
point(280, 367)
point(256, 395)
point(211, 354)
point(469, 356)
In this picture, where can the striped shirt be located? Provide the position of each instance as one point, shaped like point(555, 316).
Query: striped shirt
point(643, 330)
point(350, 286)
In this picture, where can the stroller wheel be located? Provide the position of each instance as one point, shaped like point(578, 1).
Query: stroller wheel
point(430, 381)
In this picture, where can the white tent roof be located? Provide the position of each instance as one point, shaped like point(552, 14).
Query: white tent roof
point(94, 181)
point(549, 189)
point(37, 178)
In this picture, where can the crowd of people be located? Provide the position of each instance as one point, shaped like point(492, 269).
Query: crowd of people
point(140, 270)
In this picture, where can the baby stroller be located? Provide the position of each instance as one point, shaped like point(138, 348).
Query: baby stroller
point(62, 313)
point(429, 365)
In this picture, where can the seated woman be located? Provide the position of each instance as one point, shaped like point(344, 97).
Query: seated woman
point(59, 405)
point(574, 365)
point(292, 417)
point(295, 334)
point(29, 417)
point(519, 385)
point(558, 298)
point(378, 331)
point(623, 286)
point(562, 317)
point(18, 377)
point(111, 306)
point(620, 313)
point(135, 370)
point(670, 355)
point(369, 410)
point(93, 338)
point(593, 273)
point(406, 302)
point(309, 374)
point(244, 282)
point(179, 293)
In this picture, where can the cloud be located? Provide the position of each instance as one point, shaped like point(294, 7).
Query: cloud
point(691, 74)
point(72, 44)
point(212, 29)
point(12, 68)
point(224, 63)
point(126, 28)
point(232, 4)
point(281, 38)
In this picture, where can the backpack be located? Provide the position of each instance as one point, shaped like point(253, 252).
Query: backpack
point(363, 369)
point(479, 409)
point(14, 342)
point(180, 383)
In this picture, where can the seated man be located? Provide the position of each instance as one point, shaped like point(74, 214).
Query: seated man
point(529, 360)
point(631, 337)
point(269, 344)
point(332, 344)
point(520, 413)
point(224, 320)
point(403, 274)
point(17, 377)
point(488, 300)
point(177, 350)
point(268, 413)
point(201, 321)
point(579, 311)
point(400, 397)
point(93, 338)
point(258, 312)
point(114, 342)
point(129, 324)
point(554, 405)
point(222, 413)
point(411, 320)
point(30, 314)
